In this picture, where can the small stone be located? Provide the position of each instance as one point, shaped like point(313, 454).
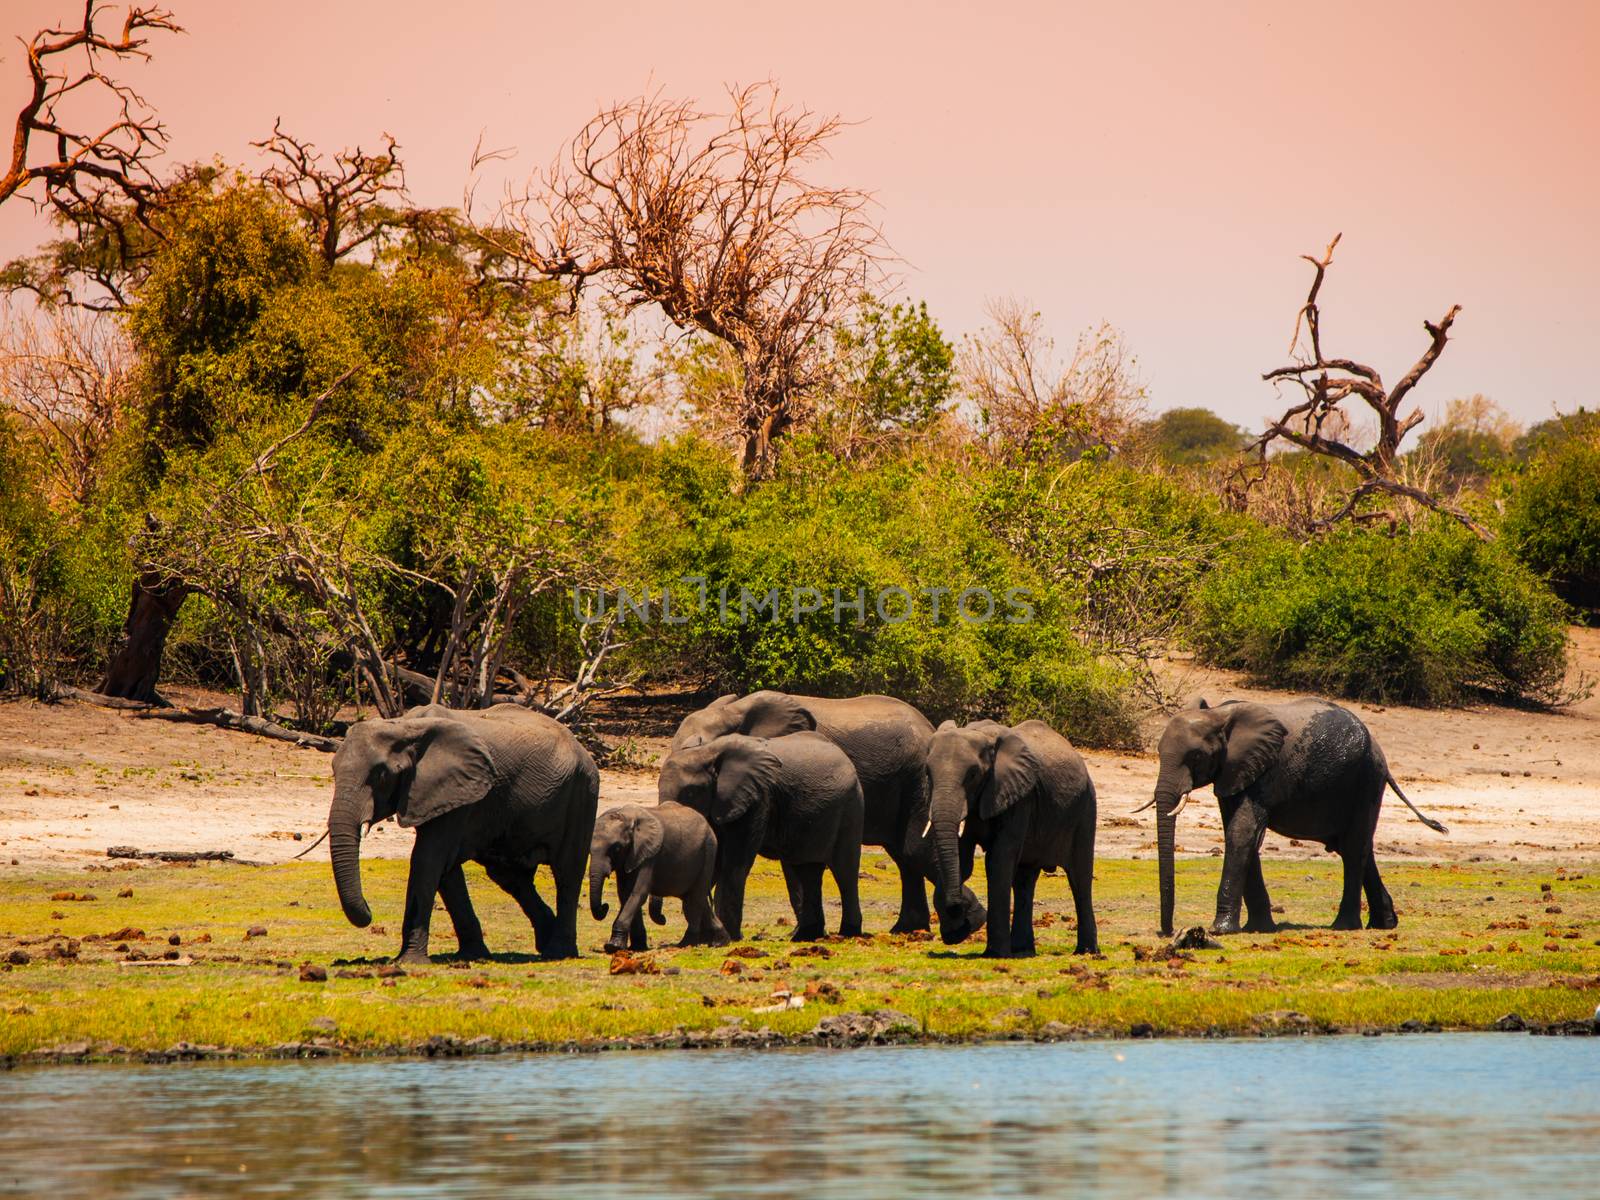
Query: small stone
point(124, 893)
point(390, 971)
point(19, 958)
point(174, 940)
point(311, 973)
point(255, 931)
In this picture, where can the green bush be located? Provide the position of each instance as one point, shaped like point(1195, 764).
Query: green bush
point(1426, 617)
point(912, 523)
point(1552, 518)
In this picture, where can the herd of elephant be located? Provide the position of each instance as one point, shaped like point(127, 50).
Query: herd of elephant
point(808, 781)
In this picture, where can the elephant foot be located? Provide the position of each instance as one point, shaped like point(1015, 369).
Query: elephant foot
point(612, 946)
point(557, 953)
point(999, 952)
point(1346, 923)
point(851, 931)
point(1087, 948)
point(809, 934)
point(1023, 951)
point(476, 953)
point(1225, 925)
point(912, 925)
point(412, 958)
point(1265, 925)
point(1390, 921)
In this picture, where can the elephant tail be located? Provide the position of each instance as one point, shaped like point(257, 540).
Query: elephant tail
point(1436, 826)
point(656, 913)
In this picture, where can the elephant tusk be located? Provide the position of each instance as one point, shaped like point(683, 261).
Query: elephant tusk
point(1182, 800)
point(313, 845)
point(1148, 803)
point(927, 827)
point(961, 828)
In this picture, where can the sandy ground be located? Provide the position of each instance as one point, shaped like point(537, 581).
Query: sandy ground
point(75, 780)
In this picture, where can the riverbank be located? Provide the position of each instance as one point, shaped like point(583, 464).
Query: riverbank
point(162, 962)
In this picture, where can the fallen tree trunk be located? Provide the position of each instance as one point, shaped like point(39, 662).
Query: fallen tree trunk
point(62, 692)
point(170, 855)
point(227, 718)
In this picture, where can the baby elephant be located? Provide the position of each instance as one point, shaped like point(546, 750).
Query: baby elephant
point(668, 850)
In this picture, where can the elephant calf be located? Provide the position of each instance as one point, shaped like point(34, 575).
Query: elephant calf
point(794, 798)
point(1025, 796)
point(668, 850)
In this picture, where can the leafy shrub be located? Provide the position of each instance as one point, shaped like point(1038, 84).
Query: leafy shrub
point(1552, 518)
point(911, 523)
point(1426, 617)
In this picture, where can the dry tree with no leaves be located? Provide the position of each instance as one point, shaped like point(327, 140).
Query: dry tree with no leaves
point(717, 220)
point(78, 165)
point(1319, 425)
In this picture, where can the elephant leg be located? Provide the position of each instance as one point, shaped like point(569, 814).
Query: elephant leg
point(1022, 886)
point(914, 914)
point(792, 882)
point(431, 857)
point(703, 927)
point(1380, 907)
point(812, 923)
point(569, 891)
point(633, 890)
point(1257, 903)
point(1355, 868)
point(469, 933)
point(1246, 826)
point(732, 872)
point(1080, 877)
point(1001, 865)
point(517, 882)
point(846, 872)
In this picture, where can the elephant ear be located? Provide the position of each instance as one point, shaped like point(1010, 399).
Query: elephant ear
point(1014, 775)
point(746, 771)
point(646, 841)
point(774, 714)
point(1254, 737)
point(452, 768)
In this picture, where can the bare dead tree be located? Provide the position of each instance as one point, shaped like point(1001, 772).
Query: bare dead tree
point(348, 200)
point(75, 164)
point(67, 373)
point(715, 219)
point(1318, 424)
point(1029, 400)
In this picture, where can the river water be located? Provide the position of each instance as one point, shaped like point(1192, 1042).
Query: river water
point(1459, 1116)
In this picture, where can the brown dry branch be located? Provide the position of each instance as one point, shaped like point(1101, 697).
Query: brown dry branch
point(717, 220)
point(1032, 403)
point(348, 201)
point(74, 164)
point(66, 373)
point(1318, 425)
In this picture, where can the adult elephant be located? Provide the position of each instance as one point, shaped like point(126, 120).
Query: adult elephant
point(793, 798)
point(1304, 769)
point(1024, 795)
point(886, 741)
point(506, 787)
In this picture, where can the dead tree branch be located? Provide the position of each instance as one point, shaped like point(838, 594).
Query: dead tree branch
point(715, 219)
point(348, 201)
point(74, 164)
point(1319, 425)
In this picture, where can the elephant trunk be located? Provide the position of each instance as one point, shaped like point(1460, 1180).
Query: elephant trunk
point(947, 807)
point(1170, 788)
point(597, 890)
point(344, 848)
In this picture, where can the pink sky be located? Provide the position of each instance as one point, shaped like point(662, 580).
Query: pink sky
point(1157, 166)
